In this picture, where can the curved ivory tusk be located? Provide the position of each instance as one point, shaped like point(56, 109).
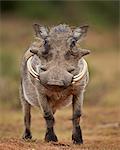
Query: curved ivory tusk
point(82, 73)
point(31, 70)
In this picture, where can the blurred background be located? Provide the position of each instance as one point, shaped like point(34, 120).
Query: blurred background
point(102, 98)
point(16, 34)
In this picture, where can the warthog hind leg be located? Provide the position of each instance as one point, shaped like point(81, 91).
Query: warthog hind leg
point(27, 117)
point(27, 120)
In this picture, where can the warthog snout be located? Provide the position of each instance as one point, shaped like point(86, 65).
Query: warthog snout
point(56, 83)
point(59, 78)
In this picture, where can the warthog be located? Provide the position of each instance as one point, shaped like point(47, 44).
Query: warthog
point(54, 74)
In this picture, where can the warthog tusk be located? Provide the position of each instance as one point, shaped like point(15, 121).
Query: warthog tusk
point(76, 78)
point(31, 70)
point(81, 74)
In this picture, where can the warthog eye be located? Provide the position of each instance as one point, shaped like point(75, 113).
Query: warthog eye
point(47, 46)
point(72, 44)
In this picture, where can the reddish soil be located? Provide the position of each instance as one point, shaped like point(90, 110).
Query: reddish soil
point(93, 144)
point(100, 126)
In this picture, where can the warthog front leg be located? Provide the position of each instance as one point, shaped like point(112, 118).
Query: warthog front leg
point(49, 118)
point(77, 106)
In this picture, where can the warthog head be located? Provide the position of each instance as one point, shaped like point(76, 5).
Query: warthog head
point(59, 54)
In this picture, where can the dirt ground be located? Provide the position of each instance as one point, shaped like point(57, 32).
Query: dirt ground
point(100, 126)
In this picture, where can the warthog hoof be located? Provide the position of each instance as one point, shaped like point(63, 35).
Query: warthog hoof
point(27, 135)
point(77, 136)
point(50, 135)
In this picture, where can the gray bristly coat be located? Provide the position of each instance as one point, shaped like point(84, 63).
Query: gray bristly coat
point(32, 89)
point(55, 85)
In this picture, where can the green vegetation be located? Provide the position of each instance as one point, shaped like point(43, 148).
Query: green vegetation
point(100, 13)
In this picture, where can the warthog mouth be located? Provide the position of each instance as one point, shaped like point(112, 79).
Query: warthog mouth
point(76, 78)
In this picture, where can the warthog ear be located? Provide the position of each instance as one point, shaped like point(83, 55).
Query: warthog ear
point(80, 32)
point(40, 31)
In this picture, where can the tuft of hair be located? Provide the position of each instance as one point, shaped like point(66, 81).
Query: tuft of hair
point(62, 28)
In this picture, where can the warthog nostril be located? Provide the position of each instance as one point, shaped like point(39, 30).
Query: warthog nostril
point(55, 83)
point(43, 68)
point(70, 70)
